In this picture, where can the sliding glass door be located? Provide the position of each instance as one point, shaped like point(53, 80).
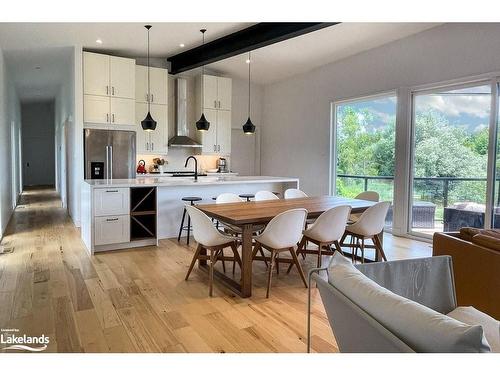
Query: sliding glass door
point(365, 147)
point(450, 158)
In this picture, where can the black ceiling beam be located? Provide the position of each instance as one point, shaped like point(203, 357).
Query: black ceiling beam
point(251, 38)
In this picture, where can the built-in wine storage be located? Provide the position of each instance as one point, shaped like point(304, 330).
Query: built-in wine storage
point(142, 213)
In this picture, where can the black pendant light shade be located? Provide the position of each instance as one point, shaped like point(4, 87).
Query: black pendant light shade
point(248, 127)
point(202, 124)
point(148, 124)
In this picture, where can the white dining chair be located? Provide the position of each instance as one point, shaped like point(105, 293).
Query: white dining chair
point(327, 230)
point(369, 225)
point(369, 195)
point(281, 235)
point(294, 193)
point(209, 240)
point(265, 195)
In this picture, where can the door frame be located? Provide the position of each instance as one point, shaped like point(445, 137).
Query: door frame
point(456, 84)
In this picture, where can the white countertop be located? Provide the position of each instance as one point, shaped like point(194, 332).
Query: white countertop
point(187, 181)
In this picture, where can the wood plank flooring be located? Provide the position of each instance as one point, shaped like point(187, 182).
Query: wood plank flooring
point(137, 300)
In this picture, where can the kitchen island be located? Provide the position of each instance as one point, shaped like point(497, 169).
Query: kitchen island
point(127, 213)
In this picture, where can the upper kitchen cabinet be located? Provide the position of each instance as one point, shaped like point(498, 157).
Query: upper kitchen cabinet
point(217, 92)
point(159, 85)
point(96, 74)
point(122, 77)
point(105, 75)
point(109, 89)
point(154, 142)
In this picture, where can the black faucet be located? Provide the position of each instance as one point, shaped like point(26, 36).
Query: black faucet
point(195, 166)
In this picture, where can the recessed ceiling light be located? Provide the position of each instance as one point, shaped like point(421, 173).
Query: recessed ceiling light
point(98, 41)
point(247, 61)
point(37, 67)
point(182, 45)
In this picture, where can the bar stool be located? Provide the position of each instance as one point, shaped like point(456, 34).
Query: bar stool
point(247, 196)
point(187, 228)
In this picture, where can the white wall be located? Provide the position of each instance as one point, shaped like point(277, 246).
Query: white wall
point(37, 122)
point(296, 114)
point(9, 113)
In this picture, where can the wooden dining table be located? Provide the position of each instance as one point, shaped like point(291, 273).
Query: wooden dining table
point(247, 215)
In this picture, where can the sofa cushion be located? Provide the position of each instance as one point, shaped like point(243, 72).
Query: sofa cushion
point(491, 327)
point(421, 328)
point(486, 241)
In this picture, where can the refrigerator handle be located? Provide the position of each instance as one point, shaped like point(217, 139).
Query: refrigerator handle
point(106, 175)
point(111, 161)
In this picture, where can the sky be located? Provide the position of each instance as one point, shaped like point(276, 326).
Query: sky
point(468, 108)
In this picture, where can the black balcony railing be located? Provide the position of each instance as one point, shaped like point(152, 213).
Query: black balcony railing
point(445, 181)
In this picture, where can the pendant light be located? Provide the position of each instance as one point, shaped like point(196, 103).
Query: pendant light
point(148, 124)
point(202, 124)
point(248, 127)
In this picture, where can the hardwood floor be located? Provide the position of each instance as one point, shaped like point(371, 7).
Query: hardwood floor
point(137, 300)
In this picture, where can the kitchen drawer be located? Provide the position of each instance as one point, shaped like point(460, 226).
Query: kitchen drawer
point(111, 229)
point(111, 201)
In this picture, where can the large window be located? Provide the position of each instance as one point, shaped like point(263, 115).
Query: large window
point(450, 158)
point(365, 147)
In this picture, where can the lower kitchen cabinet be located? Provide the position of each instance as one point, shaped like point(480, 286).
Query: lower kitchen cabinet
point(111, 230)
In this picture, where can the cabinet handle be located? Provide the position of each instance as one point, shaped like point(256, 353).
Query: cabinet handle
point(111, 191)
point(113, 90)
point(113, 219)
point(107, 90)
point(152, 98)
point(113, 116)
point(147, 145)
point(152, 145)
point(147, 98)
point(218, 148)
point(107, 117)
point(215, 103)
point(219, 104)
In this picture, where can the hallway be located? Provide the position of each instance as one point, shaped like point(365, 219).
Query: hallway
point(137, 300)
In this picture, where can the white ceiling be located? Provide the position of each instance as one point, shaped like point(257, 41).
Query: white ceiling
point(298, 55)
point(27, 45)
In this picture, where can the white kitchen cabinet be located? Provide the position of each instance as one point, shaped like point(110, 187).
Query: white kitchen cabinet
point(112, 201)
point(96, 74)
point(217, 92)
point(122, 77)
point(159, 85)
point(109, 89)
point(111, 230)
point(224, 132)
point(156, 141)
point(216, 101)
point(209, 137)
point(122, 111)
point(210, 99)
point(224, 93)
point(96, 109)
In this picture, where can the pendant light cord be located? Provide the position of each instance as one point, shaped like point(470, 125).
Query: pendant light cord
point(149, 83)
point(249, 63)
point(202, 72)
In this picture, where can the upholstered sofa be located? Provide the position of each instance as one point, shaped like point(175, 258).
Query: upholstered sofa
point(476, 267)
point(400, 306)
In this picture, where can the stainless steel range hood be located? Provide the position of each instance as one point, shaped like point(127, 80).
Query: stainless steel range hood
point(181, 138)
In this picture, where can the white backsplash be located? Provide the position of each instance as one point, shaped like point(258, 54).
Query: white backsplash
point(176, 158)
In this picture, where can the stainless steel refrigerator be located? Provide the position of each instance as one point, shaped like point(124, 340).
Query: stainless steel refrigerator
point(109, 154)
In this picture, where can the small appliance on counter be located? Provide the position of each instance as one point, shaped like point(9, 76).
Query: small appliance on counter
point(141, 167)
point(222, 165)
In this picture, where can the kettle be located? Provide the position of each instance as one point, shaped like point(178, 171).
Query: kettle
point(141, 167)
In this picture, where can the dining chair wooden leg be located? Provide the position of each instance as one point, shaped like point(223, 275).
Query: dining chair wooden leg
point(299, 268)
point(223, 262)
point(193, 262)
point(276, 259)
point(270, 273)
point(378, 247)
point(264, 255)
point(353, 249)
point(362, 249)
point(211, 273)
point(320, 245)
point(236, 256)
point(338, 248)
